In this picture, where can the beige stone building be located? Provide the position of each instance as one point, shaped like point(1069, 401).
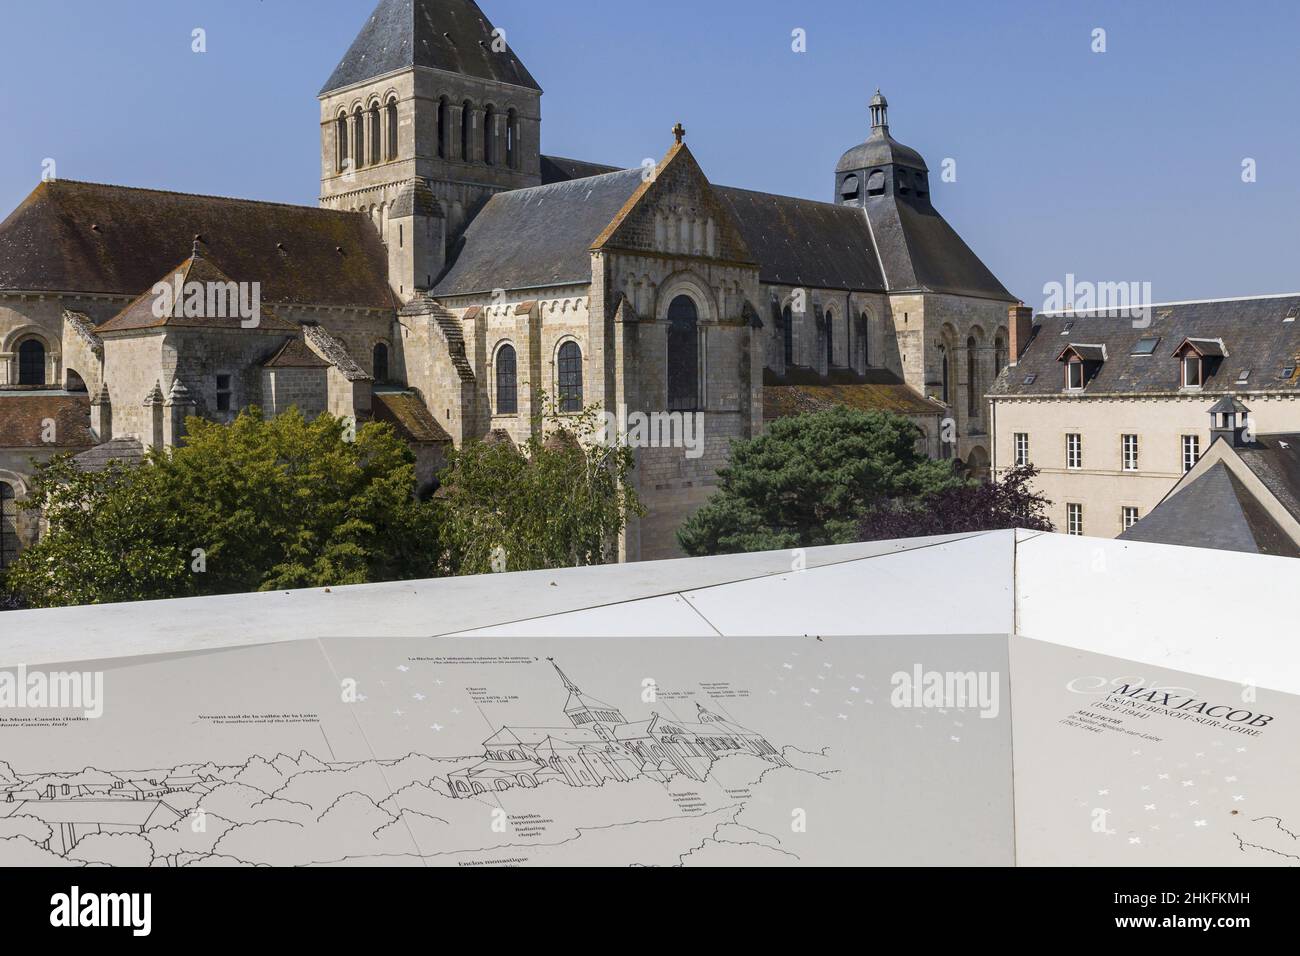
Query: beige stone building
point(1114, 411)
point(453, 272)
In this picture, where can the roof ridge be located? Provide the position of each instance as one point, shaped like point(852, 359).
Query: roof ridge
point(760, 192)
point(1060, 314)
point(176, 192)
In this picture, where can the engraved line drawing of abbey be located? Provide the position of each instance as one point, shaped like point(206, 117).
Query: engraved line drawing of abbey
point(603, 745)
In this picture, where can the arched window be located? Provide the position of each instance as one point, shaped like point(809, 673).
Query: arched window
point(830, 339)
point(490, 136)
point(876, 183)
point(972, 386)
point(444, 114)
point(683, 355)
point(8, 524)
point(570, 377)
point(392, 129)
point(864, 336)
point(341, 141)
point(512, 139)
point(358, 138)
point(507, 381)
point(850, 188)
point(381, 363)
point(999, 356)
point(944, 352)
point(376, 139)
point(787, 330)
point(31, 363)
point(467, 131)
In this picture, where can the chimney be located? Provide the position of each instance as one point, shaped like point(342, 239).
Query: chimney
point(1020, 322)
point(1229, 420)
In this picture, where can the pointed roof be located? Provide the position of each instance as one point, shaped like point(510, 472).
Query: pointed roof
point(294, 353)
point(577, 699)
point(140, 314)
point(1215, 510)
point(450, 35)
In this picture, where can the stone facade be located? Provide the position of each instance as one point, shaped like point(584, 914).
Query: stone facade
point(681, 298)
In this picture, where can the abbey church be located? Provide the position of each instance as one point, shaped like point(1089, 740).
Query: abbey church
point(452, 271)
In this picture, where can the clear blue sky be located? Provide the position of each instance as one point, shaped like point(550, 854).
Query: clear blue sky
point(1122, 166)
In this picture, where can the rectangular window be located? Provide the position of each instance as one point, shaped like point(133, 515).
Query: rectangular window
point(1073, 451)
point(1130, 450)
point(1192, 372)
point(1074, 519)
point(1074, 376)
point(223, 393)
point(1128, 517)
point(1191, 451)
point(1022, 449)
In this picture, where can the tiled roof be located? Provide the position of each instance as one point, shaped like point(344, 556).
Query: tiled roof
point(24, 412)
point(879, 391)
point(128, 451)
point(1258, 342)
point(84, 237)
point(451, 35)
point(295, 354)
point(801, 242)
point(140, 315)
point(529, 238)
point(409, 416)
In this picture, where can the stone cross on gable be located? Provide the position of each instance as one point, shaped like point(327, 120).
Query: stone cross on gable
point(679, 131)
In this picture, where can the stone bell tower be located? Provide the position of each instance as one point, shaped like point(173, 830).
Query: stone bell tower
point(429, 110)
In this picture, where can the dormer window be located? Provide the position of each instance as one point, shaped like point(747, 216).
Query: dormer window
point(1198, 359)
point(1082, 363)
point(1074, 375)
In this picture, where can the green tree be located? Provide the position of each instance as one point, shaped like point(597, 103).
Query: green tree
point(254, 505)
point(557, 502)
point(809, 480)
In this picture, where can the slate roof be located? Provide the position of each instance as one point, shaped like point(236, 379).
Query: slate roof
point(802, 242)
point(23, 411)
point(880, 149)
point(802, 390)
point(1275, 460)
point(129, 451)
point(542, 236)
point(557, 169)
point(139, 315)
point(409, 416)
point(1214, 511)
point(328, 345)
point(295, 354)
point(85, 237)
point(1253, 331)
point(450, 35)
point(922, 252)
